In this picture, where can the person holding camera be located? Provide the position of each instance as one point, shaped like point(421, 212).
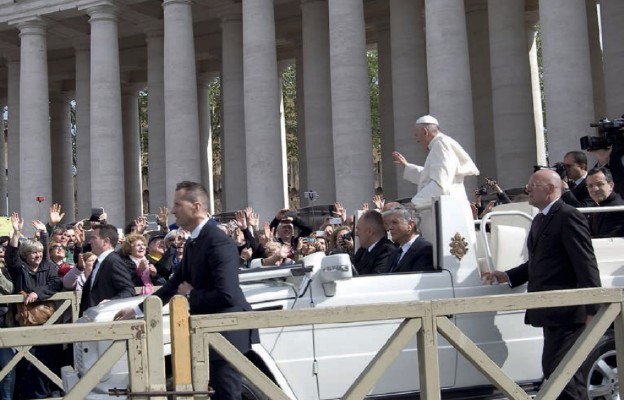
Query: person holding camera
point(574, 188)
point(284, 223)
point(375, 247)
point(341, 241)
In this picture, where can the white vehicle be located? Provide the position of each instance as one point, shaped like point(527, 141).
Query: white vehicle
point(317, 362)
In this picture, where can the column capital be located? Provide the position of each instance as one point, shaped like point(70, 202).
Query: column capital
point(102, 11)
point(30, 26)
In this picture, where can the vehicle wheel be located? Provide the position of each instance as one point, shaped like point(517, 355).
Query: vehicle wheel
point(600, 370)
point(250, 392)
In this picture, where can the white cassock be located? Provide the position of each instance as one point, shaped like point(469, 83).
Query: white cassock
point(443, 174)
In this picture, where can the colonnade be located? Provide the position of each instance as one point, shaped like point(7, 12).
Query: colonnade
point(471, 64)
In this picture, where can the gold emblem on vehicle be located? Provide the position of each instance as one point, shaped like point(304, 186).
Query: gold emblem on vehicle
point(459, 246)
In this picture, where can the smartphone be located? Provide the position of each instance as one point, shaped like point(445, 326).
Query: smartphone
point(320, 233)
point(335, 221)
point(152, 224)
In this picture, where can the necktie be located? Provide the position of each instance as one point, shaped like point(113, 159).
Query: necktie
point(536, 225)
point(96, 266)
point(395, 263)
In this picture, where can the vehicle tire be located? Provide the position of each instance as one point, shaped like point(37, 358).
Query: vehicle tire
point(600, 370)
point(250, 392)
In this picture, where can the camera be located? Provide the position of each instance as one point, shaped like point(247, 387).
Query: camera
point(609, 133)
point(347, 236)
point(483, 190)
point(559, 168)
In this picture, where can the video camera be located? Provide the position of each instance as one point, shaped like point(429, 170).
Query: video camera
point(559, 168)
point(610, 133)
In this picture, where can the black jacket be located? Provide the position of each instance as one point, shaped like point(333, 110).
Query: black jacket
point(418, 258)
point(578, 196)
point(112, 281)
point(608, 224)
point(561, 256)
point(374, 261)
point(210, 265)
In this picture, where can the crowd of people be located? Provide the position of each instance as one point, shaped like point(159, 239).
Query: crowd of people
point(103, 263)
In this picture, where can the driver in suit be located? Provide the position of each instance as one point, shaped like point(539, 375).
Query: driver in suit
point(561, 256)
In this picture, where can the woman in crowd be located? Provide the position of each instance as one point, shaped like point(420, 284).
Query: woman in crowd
point(143, 273)
point(33, 273)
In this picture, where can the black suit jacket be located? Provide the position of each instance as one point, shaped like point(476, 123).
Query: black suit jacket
point(210, 265)
point(608, 224)
point(112, 281)
point(374, 261)
point(561, 256)
point(578, 196)
point(419, 257)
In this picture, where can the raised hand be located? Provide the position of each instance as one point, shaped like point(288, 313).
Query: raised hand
point(340, 211)
point(364, 207)
point(162, 218)
point(252, 218)
point(141, 224)
point(17, 223)
point(241, 219)
point(378, 201)
point(38, 225)
point(268, 232)
point(398, 158)
point(55, 214)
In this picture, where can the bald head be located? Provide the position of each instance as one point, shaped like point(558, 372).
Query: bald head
point(543, 188)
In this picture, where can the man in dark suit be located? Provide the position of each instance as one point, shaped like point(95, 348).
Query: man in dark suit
point(375, 247)
point(576, 194)
point(208, 277)
point(561, 256)
point(110, 278)
point(414, 252)
point(600, 185)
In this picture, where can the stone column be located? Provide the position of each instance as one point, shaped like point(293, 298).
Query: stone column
point(107, 164)
point(13, 142)
point(132, 150)
point(596, 59)
point(512, 100)
point(83, 133)
point(302, 159)
point(540, 143)
point(205, 137)
point(3, 160)
point(61, 147)
point(479, 52)
point(448, 68)
point(265, 183)
point(281, 69)
point(353, 160)
point(611, 14)
point(35, 160)
point(317, 101)
point(567, 74)
point(409, 82)
point(181, 120)
point(390, 178)
point(157, 167)
point(233, 149)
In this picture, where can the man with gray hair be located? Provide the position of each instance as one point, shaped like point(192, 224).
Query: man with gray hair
point(446, 165)
point(414, 252)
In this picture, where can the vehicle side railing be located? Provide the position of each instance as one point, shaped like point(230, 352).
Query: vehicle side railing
point(194, 336)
